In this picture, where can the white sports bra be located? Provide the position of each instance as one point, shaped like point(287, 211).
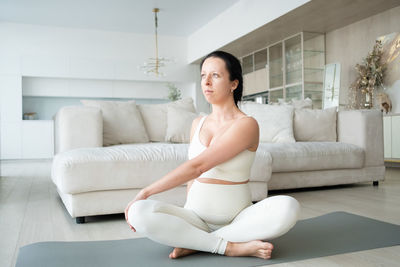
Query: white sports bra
point(236, 169)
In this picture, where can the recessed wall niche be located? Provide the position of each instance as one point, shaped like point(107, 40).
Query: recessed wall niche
point(44, 96)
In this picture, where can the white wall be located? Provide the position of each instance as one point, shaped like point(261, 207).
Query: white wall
point(243, 17)
point(64, 52)
point(78, 62)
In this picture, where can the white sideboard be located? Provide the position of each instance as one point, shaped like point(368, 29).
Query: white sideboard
point(391, 131)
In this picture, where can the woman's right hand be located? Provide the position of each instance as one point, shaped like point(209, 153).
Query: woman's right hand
point(141, 195)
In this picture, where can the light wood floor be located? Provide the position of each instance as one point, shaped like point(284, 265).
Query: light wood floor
point(31, 211)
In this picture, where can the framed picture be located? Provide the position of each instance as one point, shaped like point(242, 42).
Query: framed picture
point(331, 85)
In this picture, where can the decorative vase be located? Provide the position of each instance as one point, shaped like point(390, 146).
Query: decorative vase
point(368, 100)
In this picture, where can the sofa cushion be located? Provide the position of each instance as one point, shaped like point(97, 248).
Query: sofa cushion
point(129, 166)
point(122, 122)
point(307, 156)
point(302, 103)
point(275, 122)
point(315, 124)
point(179, 124)
point(155, 117)
point(116, 167)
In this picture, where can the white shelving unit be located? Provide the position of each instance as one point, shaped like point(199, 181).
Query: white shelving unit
point(292, 68)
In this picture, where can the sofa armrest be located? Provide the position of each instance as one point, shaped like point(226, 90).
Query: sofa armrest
point(363, 128)
point(78, 126)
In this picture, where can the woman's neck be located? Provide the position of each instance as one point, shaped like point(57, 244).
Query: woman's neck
point(223, 113)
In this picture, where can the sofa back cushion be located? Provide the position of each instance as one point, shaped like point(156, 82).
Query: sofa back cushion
point(275, 121)
point(179, 124)
point(122, 122)
point(315, 124)
point(302, 103)
point(155, 117)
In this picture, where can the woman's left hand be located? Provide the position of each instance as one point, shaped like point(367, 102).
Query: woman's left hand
point(141, 195)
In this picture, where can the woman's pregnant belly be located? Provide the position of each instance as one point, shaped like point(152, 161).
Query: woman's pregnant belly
point(218, 203)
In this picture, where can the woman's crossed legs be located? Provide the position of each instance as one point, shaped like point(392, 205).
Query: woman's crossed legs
point(182, 228)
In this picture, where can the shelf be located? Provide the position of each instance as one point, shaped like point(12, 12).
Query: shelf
point(276, 75)
point(311, 70)
point(310, 82)
point(39, 121)
point(307, 54)
point(314, 52)
point(308, 70)
point(46, 107)
point(293, 84)
point(314, 91)
point(279, 60)
point(294, 71)
point(275, 89)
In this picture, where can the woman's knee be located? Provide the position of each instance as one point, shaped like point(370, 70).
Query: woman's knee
point(140, 212)
point(289, 207)
point(288, 212)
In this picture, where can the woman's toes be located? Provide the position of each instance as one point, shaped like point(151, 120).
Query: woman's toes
point(268, 246)
point(172, 255)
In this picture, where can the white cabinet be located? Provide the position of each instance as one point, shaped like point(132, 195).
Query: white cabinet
point(10, 98)
point(10, 140)
point(20, 138)
point(37, 139)
point(255, 82)
point(396, 137)
point(387, 137)
point(391, 133)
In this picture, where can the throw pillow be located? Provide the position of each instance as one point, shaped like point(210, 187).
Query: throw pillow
point(275, 121)
point(179, 124)
point(315, 124)
point(155, 117)
point(122, 122)
point(306, 103)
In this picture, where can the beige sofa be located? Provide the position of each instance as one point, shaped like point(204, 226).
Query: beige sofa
point(92, 179)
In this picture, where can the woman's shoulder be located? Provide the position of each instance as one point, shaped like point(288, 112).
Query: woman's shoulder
point(195, 123)
point(197, 120)
point(246, 125)
point(247, 120)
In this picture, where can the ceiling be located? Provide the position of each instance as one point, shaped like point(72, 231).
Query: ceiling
point(315, 16)
point(183, 17)
point(176, 17)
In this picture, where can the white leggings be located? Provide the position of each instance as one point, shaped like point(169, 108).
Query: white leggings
point(184, 228)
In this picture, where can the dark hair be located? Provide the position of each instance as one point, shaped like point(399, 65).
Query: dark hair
point(234, 68)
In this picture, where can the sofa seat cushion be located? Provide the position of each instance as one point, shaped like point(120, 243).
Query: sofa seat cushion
point(128, 166)
point(115, 167)
point(307, 156)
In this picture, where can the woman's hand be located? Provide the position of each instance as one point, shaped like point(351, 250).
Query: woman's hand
point(141, 195)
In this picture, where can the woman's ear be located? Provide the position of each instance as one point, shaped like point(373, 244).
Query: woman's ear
point(234, 84)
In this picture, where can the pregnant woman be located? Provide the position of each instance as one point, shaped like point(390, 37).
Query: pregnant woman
point(218, 216)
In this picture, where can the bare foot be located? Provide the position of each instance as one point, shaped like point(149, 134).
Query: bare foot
point(256, 248)
point(181, 252)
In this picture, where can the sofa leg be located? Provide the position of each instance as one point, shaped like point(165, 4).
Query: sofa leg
point(80, 220)
point(375, 183)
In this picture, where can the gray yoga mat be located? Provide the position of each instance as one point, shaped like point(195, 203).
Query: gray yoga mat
point(330, 234)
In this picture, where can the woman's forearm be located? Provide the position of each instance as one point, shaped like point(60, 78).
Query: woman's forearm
point(182, 174)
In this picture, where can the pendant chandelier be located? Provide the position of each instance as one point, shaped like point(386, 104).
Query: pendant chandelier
point(152, 65)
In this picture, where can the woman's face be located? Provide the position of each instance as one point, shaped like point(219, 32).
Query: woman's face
point(215, 81)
